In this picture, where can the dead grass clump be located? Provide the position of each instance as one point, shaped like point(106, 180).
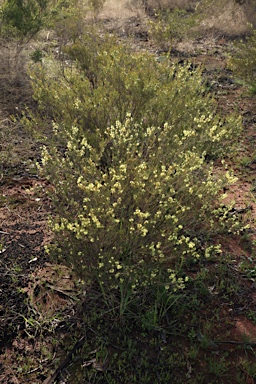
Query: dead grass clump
point(229, 18)
point(250, 12)
point(152, 6)
point(15, 89)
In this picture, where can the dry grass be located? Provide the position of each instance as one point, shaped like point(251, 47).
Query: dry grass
point(229, 17)
point(121, 9)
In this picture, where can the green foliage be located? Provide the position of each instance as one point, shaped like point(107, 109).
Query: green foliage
point(22, 19)
point(68, 20)
point(106, 80)
point(169, 27)
point(243, 61)
point(37, 55)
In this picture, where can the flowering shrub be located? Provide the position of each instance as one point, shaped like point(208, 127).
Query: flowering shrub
point(135, 218)
point(135, 194)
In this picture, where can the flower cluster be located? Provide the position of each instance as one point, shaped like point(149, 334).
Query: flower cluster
point(145, 212)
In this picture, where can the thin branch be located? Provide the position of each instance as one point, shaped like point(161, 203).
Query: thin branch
point(51, 378)
point(236, 343)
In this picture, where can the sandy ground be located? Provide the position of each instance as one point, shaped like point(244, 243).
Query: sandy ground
point(121, 9)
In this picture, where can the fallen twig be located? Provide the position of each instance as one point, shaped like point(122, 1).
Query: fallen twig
point(51, 378)
point(236, 343)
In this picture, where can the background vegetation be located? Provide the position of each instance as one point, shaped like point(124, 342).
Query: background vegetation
point(243, 62)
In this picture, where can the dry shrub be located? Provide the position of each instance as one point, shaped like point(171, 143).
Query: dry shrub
point(152, 6)
point(229, 17)
point(96, 4)
point(250, 12)
point(171, 4)
point(170, 27)
point(15, 89)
